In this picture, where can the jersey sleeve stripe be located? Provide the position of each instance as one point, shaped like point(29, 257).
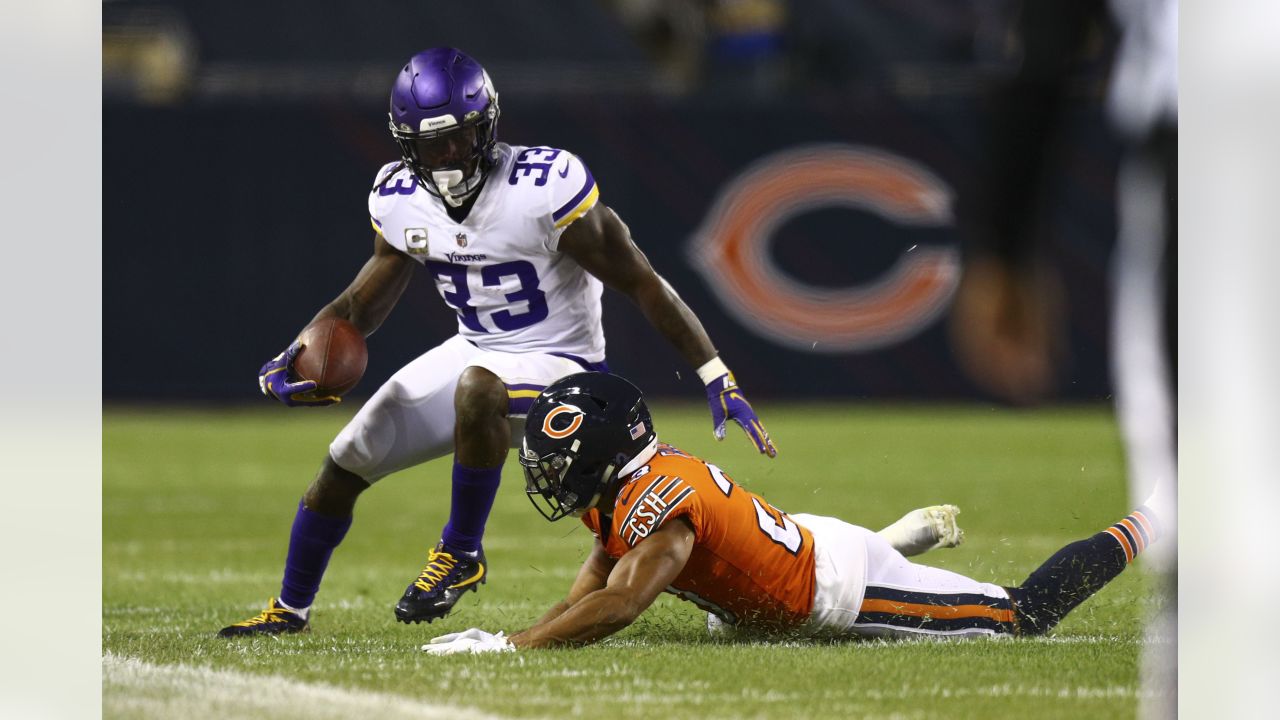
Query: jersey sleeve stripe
point(578, 204)
point(633, 535)
point(377, 226)
point(662, 492)
point(581, 209)
point(587, 187)
point(672, 506)
point(630, 514)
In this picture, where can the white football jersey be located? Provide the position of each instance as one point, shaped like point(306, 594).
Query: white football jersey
point(500, 268)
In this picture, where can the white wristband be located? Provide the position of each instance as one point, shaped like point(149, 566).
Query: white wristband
point(712, 369)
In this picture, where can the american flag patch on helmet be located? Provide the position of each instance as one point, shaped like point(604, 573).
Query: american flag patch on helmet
point(638, 430)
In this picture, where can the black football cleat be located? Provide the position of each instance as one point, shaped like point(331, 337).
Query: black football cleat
point(275, 620)
point(447, 575)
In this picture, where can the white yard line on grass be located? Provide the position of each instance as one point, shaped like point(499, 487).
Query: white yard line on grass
point(133, 688)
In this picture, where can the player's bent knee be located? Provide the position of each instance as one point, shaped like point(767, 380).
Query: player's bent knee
point(336, 474)
point(335, 489)
point(363, 449)
point(480, 397)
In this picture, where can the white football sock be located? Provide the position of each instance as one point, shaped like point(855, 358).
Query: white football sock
point(300, 612)
point(912, 534)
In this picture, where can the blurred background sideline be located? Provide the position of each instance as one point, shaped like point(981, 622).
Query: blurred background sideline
point(238, 132)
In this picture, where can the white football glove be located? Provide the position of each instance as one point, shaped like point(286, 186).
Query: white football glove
point(473, 641)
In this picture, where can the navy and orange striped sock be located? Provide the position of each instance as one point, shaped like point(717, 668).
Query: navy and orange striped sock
point(1135, 532)
point(1079, 570)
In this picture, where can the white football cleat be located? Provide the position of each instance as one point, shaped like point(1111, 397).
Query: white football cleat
point(721, 630)
point(925, 529)
point(715, 626)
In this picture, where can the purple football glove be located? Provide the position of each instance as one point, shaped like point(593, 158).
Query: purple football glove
point(727, 403)
point(273, 379)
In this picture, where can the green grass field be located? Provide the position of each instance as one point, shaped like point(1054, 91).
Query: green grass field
point(197, 506)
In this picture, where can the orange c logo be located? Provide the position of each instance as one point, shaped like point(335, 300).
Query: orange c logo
point(731, 249)
point(573, 426)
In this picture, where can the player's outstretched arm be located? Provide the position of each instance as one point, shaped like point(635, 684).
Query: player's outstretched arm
point(633, 584)
point(365, 303)
point(592, 576)
point(601, 243)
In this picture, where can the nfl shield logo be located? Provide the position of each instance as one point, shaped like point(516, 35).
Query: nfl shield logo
point(461, 238)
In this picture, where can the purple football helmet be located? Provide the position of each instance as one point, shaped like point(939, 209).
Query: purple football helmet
point(444, 116)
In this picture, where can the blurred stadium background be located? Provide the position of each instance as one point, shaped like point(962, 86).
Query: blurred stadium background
point(240, 139)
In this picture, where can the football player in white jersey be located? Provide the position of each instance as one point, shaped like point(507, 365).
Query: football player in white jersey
point(520, 247)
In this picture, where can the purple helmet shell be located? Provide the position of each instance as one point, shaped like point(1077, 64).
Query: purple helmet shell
point(440, 91)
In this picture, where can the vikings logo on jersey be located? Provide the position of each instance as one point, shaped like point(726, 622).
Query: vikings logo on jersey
point(511, 288)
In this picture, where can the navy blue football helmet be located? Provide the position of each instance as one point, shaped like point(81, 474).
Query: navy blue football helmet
point(444, 116)
point(580, 433)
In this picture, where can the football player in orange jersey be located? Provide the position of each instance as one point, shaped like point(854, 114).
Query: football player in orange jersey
point(665, 520)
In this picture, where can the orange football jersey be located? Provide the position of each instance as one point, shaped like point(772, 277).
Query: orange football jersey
point(751, 564)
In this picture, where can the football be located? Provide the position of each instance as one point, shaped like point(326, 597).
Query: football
point(334, 356)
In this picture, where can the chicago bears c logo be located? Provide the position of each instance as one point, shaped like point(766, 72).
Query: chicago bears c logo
point(731, 249)
point(568, 417)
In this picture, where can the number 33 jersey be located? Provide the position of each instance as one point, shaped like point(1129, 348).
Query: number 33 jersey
point(500, 269)
point(751, 563)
